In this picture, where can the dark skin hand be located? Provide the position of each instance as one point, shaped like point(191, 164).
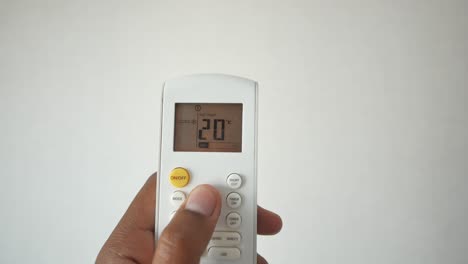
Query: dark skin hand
point(184, 239)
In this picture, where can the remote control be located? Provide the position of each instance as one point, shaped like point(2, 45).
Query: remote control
point(209, 136)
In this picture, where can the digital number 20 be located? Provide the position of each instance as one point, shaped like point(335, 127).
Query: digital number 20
point(218, 124)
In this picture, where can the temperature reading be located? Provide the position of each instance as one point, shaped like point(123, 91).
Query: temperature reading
point(218, 129)
point(208, 127)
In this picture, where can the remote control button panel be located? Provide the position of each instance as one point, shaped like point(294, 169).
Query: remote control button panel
point(223, 244)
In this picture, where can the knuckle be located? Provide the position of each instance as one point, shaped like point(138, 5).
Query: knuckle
point(173, 239)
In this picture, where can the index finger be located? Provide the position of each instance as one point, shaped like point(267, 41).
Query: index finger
point(133, 238)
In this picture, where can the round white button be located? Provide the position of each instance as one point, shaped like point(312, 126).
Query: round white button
point(234, 180)
point(234, 200)
point(233, 220)
point(177, 198)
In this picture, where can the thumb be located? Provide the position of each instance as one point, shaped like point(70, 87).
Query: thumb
point(184, 240)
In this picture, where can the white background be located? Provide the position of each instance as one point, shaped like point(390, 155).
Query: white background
point(363, 145)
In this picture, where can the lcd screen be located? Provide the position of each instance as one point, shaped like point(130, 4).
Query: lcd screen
point(207, 127)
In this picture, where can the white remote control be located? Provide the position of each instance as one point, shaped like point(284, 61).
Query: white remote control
point(208, 136)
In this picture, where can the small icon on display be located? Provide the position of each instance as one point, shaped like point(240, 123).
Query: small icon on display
point(203, 144)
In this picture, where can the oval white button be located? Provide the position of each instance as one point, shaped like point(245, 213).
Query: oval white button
point(225, 239)
point(233, 220)
point(224, 253)
point(234, 200)
point(177, 198)
point(234, 181)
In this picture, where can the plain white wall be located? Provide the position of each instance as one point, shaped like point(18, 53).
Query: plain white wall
point(363, 133)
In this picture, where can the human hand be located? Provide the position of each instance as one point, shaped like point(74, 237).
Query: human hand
point(185, 238)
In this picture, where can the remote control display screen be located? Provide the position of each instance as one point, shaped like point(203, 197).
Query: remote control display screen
point(208, 127)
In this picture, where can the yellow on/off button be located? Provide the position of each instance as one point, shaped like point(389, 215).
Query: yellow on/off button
point(179, 177)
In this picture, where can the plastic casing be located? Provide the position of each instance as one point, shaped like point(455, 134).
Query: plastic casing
point(212, 167)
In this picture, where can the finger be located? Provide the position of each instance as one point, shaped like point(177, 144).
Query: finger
point(133, 238)
point(185, 238)
point(268, 223)
point(261, 260)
